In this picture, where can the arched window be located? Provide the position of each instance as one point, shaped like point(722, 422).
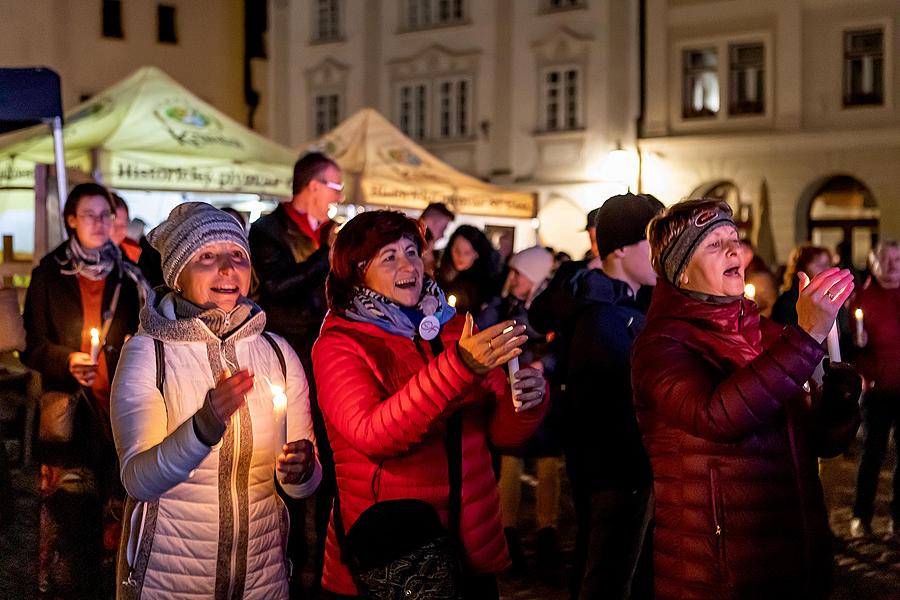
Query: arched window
point(729, 192)
point(843, 215)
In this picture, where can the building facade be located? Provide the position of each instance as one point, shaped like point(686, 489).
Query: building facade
point(787, 108)
point(93, 44)
point(534, 94)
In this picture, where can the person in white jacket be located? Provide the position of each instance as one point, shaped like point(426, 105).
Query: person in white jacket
point(197, 433)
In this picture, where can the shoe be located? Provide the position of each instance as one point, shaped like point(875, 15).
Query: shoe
point(860, 528)
point(516, 554)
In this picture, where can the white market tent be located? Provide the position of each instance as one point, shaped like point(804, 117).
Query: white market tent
point(383, 167)
point(148, 132)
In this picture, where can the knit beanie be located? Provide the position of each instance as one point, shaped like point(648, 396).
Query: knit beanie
point(535, 263)
point(189, 227)
point(622, 221)
point(677, 255)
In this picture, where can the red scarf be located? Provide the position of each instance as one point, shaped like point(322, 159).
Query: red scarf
point(302, 221)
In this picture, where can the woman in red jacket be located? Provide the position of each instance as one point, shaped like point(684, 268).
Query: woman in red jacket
point(386, 397)
point(731, 435)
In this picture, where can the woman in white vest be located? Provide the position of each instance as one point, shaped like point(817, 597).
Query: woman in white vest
point(199, 437)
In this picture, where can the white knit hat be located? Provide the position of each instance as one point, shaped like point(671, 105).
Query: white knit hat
point(189, 227)
point(535, 263)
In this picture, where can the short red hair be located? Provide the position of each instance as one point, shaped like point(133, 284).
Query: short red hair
point(357, 243)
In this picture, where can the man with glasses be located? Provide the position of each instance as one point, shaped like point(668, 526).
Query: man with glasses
point(290, 256)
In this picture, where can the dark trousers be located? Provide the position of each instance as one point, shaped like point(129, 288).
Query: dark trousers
point(618, 521)
point(880, 413)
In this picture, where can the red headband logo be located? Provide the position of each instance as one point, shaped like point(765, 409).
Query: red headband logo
point(705, 217)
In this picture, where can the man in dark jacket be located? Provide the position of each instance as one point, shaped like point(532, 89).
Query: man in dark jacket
point(290, 257)
point(607, 464)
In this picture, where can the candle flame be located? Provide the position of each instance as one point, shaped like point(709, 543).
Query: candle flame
point(95, 335)
point(858, 313)
point(451, 300)
point(750, 291)
point(278, 397)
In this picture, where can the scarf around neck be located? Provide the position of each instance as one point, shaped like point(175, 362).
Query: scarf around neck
point(218, 321)
point(94, 264)
point(369, 306)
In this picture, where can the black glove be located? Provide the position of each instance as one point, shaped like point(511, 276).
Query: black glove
point(841, 387)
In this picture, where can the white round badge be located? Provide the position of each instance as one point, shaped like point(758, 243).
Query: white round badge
point(429, 327)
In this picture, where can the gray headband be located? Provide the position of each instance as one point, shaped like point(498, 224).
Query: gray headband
point(677, 256)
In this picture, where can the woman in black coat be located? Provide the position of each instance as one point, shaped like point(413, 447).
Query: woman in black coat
point(84, 284)
point(469, 270)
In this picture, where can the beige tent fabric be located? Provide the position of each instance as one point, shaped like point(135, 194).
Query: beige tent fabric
point(384, 167)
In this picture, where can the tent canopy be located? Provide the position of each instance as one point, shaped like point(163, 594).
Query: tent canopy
point(384, 167)
point(148, 132)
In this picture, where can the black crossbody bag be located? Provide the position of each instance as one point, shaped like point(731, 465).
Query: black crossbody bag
point(398, 549)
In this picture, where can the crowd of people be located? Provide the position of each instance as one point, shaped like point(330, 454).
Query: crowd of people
point(209, 389)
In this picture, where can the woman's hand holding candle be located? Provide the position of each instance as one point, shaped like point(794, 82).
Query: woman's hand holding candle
point(528, 390)
point(295, 464)
point(83, 368)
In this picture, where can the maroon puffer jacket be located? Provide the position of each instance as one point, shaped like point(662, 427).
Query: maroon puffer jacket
point(733, 441)
point(386, 401)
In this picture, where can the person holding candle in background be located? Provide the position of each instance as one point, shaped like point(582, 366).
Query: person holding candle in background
point(394, 365)
point(878, 359)
point(199, 418)
point(731, 434)
point(83, 287)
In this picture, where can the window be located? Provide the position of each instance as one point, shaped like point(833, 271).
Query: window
point(421, 14)
point(327, 21)
point(454, 109)
point(413, 110)
point(112, 19)
point(327, 112)
point(561, 97)
point(165, 15)
point(550, 5)
point(747, 79)
point(864, 67)
point(701, 83)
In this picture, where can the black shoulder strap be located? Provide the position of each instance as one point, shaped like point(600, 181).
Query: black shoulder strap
point(278, 353)
point(453, 445)
point(160, 364)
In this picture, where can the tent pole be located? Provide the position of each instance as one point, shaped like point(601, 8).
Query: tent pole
point(61, 187)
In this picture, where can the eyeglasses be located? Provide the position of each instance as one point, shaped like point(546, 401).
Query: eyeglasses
point(338, 187)
point(101, 218)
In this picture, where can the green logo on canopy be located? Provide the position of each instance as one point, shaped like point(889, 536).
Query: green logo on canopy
point(188, 115)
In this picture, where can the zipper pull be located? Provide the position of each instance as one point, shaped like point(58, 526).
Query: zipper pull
point(718, 530)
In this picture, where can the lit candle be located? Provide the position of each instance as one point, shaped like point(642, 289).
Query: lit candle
point(750, 291)
point(95, 344)
point(451, 300)
point(858, 313)
point(279, 401)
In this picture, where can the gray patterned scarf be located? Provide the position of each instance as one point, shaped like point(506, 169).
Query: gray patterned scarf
point(369, 306)
point(94, 264)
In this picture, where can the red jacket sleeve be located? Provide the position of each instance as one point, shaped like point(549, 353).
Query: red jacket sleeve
point(354, 403)
point(688, 392)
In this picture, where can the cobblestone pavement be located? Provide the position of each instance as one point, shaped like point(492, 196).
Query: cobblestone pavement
point(865, 569)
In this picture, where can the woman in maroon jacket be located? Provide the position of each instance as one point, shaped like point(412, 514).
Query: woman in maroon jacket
point(386, 397)
point(731, 435)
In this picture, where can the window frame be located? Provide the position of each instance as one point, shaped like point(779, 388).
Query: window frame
point(722, 119)
point(434, 22)
point(734, 110)
point(335, 35)
point(112, 33)
point(543, 91)
point(160, 8)
point(846, 95)
point(455, 131)
point(339, 111)
point(424, 115)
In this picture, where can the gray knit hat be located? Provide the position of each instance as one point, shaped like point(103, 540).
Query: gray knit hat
point(189, 227)
point(676, 257)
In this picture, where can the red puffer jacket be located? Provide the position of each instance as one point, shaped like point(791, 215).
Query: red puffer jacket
point(386, 400)
point(733, 442)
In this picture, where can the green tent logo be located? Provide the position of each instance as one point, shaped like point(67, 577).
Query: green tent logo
point(192, 127)
point(184, 114)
